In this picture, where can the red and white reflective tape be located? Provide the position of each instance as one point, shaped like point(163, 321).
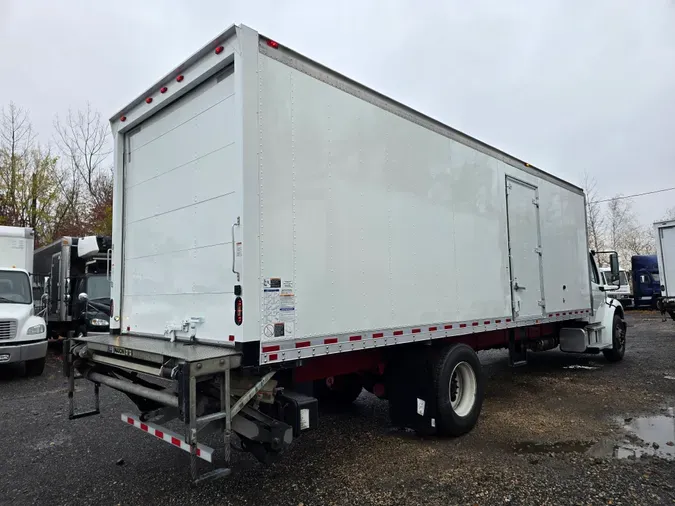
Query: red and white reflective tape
point(203, 452)
point(280, 351)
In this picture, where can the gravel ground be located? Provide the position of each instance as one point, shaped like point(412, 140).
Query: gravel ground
point(548, 434)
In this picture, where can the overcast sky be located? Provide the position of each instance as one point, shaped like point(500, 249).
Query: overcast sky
point(568, 85)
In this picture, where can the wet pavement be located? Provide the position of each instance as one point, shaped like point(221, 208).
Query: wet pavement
point(566, 429)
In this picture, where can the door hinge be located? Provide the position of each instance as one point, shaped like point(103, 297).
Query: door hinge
point(538, 250)
point(542, 303)
point(535, 201)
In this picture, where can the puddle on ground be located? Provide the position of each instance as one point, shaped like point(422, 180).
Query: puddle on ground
point(648, 436)
point(560, 447)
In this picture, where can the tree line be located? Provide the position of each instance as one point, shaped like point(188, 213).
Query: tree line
point(62, 187)
point(614, 225)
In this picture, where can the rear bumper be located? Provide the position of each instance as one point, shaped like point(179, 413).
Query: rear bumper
point(22, 352)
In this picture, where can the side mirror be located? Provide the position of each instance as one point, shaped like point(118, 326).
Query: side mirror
point(44, 298)
point(614, 265)
point(83, 297)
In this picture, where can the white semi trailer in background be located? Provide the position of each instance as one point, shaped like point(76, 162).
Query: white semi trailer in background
point(277, 226)
point(665, 253)
point(23, 335)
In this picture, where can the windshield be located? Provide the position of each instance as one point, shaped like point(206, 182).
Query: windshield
point(623, 280)
point(14, 288)
point(98, 287)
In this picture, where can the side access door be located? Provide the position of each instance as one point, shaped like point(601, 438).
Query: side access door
point(524, 249)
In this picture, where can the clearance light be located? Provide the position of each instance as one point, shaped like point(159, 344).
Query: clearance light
point(148, 100)
point(123, 118)
point(163, 89)
point(273, 44)
point(179, 78)
point(219, 49)
point(238, 311)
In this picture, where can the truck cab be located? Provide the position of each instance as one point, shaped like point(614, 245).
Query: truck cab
point(646, 280)
point(618, 287)
point(22, 333)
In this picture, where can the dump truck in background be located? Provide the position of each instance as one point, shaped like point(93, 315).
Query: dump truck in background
point(283, 234)
point(665, 252)
point(22, 332)
point(73, 275)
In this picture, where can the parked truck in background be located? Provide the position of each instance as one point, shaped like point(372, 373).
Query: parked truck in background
point(618, 288)
point(646, 280)
point(277, 226)
point(22, 333)
point(665, 252)
point(73, 275)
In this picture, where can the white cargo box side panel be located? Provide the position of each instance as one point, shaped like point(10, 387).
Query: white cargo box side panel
point(182, 193)
point(564, 250)
point(665, 249)
point(374, 221)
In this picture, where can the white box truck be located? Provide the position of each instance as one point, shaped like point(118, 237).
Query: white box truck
point(282, 233)
point(23, 335)
point(665, 253)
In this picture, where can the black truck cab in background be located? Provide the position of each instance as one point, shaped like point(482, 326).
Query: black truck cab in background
point(73, 277)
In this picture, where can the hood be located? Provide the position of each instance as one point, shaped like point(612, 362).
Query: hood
point(20, 312)
point(100, 305)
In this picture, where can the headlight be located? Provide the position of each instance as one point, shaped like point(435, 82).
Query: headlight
point(36, 329)
point(99, 322)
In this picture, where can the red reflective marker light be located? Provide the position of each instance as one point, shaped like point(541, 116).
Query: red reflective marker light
point(163, 89)
point(238, 311)
point(123, 118)
point(180, 78)
point(219, 49)
point(273, 44)
point(148, 100)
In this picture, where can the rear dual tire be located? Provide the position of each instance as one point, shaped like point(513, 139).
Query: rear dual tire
point(458, 385)
point(436, 390)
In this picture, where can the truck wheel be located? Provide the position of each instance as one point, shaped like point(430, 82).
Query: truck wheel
point(338, 391)
point(616, 352)
point(35, 367)
point(458, 385)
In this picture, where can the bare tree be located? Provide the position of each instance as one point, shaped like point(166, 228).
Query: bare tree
point(595, 221)
point(670, 214)
point(28, 191)
point(627, 236)
point(618, 209)
point(84, 140)
point(16, 140)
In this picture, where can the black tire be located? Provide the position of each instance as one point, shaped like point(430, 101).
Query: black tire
point(454, 361)
point(618, 349)
point(343, 391)
point(35, 367)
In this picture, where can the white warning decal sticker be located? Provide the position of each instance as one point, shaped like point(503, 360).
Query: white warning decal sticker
point(278, 308)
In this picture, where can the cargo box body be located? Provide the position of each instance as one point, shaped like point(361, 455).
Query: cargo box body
point(665, 252)
point(266, 202)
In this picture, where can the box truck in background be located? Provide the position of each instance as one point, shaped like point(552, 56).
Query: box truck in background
point(74, 275)
point(277, 226)
point(665, 252)
point(22, 333)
